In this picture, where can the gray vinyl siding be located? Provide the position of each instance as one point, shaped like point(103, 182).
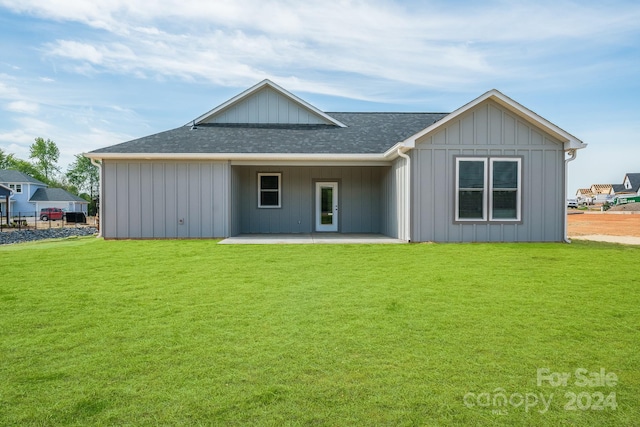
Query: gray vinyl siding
point(394, 205)
point(145, 200)
point(490, 131)
point(360, 193)
point(267, 106)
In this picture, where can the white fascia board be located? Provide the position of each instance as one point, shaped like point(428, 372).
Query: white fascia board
point(569, 141)
point(246, 157)
point(256, 88)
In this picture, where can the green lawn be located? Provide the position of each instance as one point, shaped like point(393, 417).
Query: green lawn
point(194, 333)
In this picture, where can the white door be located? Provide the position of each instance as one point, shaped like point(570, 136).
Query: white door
point(326, 206)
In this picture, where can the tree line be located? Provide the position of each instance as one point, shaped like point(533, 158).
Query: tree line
point(81, 177)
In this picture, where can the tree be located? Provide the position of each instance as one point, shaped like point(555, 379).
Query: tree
point(6, 160)
point(84, 175)
point(28, 168)
point(46, 155)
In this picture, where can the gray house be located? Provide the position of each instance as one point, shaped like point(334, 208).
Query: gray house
point(266, 161)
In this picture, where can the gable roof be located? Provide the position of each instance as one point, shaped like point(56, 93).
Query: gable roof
point(55, 195)
point(5, 191)
point(634, 180)
point(13, 176)
point(570, 141)
point(601, 188)
point(266, 122)
point(618, 188)
point(364, 133)
point(281, 95)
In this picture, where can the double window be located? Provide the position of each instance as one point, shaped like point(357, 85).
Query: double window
point(269, 190)
point(488, 189)
point(17, 188)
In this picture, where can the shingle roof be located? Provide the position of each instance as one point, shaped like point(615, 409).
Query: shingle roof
point(634, 179)
point(8, 175)
point(54, 195)
point(618, 188)
point(366, 133)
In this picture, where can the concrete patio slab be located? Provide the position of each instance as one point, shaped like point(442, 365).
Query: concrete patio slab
point(309, 238)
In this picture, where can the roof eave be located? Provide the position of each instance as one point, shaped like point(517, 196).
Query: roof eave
point(318, 157)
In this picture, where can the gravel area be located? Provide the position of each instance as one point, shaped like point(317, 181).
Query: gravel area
point(21, 236)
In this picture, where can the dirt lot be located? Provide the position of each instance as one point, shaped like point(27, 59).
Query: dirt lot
point(610, 224)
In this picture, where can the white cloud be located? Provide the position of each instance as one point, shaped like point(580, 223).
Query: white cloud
point(23, 107)
point(237, 43)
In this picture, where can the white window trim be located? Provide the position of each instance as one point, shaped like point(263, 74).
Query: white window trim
point(279, 190)
point(14, 188)
point(484, 188)
point(487, 197)
point(518, 160)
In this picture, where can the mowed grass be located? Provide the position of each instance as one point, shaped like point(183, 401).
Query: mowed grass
point(100, 332)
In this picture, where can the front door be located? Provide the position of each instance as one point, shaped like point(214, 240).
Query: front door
point(326, 206)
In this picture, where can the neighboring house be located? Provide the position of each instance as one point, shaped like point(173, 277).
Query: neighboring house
point(266, 161)
point(58, 198)
point(30, 195)
point(584, 195)
point(5, 194)
point(618, 189)
point(602, 192)
point(631, 184)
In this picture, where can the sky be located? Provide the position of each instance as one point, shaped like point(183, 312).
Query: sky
point(89, 74)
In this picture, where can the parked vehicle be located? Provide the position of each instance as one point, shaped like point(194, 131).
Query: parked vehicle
point(48, 214)
point(572, 203)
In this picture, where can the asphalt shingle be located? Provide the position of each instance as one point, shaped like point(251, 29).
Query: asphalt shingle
point(366, 133)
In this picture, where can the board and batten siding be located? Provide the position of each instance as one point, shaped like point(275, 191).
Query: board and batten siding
point(165, 199)
point(491, 131)
point(360, 199)
point(394, 206)
point(267, 106)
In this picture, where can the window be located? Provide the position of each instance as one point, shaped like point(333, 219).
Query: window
point(488, 189)
point(17, 188)
point(269, 190)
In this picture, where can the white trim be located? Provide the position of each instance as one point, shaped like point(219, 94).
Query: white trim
point(518, 160)
point(484, 161)
point(333, 227)
point(278, 190)
point(569, 141)
point(487, 197)
point(253, 157)
point(256, 88)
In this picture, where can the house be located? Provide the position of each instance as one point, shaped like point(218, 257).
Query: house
point(602, 192)
point(30, 195)
point(584, 195)
point(631, 184)
point(5, 194)
point(266, 161)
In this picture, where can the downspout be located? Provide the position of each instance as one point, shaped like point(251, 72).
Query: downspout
point(407, 224)
point(573, 152)
point(100, 216)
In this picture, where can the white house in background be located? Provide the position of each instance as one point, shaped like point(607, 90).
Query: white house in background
point(584, 195)
point(631, 184)
point(601, 192)
point(30, 195)
point(266, 161)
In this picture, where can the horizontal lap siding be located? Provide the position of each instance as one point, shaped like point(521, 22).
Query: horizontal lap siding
point(146, 200)
point(488, 130)
point(359, 192)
